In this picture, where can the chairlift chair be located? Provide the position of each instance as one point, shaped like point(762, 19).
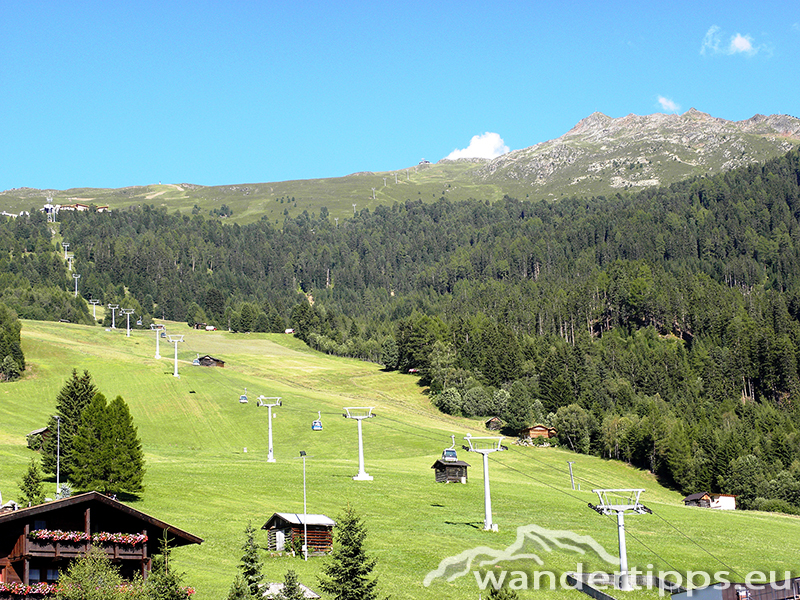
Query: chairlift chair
point(316, 424)
point(196, 361)
point(243, 397)
point(450, 454)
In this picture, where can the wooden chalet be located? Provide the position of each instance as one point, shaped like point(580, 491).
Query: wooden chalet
point(210, 361)
point(709, 500)
point(284, 528)
point(538, 431)
point(494, 423)
point(37, 542)
point(450, 471)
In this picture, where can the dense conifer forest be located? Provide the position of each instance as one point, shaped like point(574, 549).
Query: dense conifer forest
point(660, 327)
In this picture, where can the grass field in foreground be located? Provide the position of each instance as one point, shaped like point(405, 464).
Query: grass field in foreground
point(200, 478)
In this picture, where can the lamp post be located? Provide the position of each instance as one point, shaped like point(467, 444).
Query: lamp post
point(58, 456)
point(158, 329)
point(127, 312)
point(305, 510)
point(113, 308)
point(175, 339)
point(76, 276)
point(269, 405)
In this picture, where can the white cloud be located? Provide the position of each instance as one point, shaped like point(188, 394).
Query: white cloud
point(711, 41)
point(741, 43)
point(488, 145)
point(668, 105)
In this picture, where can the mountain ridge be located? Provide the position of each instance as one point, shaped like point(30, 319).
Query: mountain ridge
point(599, 155)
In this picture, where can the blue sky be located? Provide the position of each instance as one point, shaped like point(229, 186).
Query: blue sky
point(112, 94)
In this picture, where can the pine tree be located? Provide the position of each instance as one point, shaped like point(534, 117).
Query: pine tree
point(31, 488)
point(250, 564)
point(126, 456)
point(503, 593)
point(73, 397)
point(239, 590)
point(106, 453)
point(164, 582)
point(291, 587)
point(346, 576)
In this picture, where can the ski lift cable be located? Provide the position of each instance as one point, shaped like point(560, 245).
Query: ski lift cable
point(706, 550)
point(610, 519)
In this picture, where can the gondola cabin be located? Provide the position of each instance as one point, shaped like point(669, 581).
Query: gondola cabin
point(316, 424)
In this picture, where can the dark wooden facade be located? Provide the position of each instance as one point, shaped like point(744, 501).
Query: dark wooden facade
point(28, 561)
point(284, 528)
point(210, 361)
point(494, 423)
point(450, 471)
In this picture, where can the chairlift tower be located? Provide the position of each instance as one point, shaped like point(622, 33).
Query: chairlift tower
point(485, 446)
point(76, 276)
point(359, 413)
point(113, 308)
point(269, 405)
point(158, 329)
point(620, 501)
point(175, 339)
point(94, 304)
point(65, 245)
point(127, 312)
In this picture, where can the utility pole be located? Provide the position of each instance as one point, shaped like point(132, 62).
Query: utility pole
point(305, 509)
point(269, 405)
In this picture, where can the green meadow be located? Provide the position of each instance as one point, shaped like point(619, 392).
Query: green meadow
point(207, 471)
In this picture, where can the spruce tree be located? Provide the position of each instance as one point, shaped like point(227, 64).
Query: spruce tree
point(346, 575)
point(239, 589)
point(291, 587)
point(73, 397)
point(503, 593)
point(126, 457)
point(164, 582)
point(106, 453)
point(250, 564)
point(31, 488)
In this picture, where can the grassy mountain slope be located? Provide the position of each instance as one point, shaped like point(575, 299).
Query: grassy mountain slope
point(600, 155)
point(194, 432)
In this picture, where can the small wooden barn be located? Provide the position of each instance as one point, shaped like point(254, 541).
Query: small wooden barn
point(284, 528)
point(210, 361)
point(450, 471)
point(495, 424)
point(538, 431)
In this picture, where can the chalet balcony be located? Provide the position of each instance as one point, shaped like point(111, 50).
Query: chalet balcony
point(116, 546)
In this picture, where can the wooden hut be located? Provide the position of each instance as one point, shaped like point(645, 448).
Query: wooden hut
point(450, 471)
point(38, 542)
point(284, 528)
point(538, 431)
point(494, 423)
point(210, 361)
point(708, 500)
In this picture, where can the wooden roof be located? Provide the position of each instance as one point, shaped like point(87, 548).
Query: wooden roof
point(96, 499)
point(297, 519)
point(445, 463)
